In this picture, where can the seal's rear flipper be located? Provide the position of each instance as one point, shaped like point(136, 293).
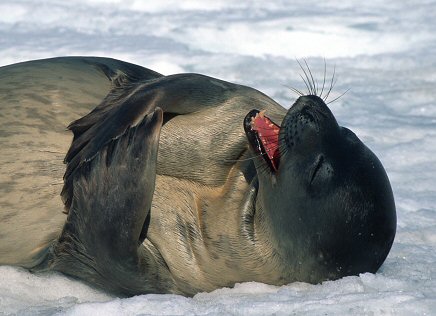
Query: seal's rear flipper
point(112, 196)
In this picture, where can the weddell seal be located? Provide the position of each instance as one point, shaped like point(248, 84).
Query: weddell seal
point(181, 183)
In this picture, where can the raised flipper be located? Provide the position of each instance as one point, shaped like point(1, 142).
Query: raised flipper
point(110, 119)
point(131, 99)
point(38, 99)
point(111, 200)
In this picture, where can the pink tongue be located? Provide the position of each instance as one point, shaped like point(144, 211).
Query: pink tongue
point(269, 135)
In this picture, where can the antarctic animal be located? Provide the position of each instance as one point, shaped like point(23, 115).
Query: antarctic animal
point(181, 183)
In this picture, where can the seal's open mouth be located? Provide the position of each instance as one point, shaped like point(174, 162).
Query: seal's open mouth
point(263, 136)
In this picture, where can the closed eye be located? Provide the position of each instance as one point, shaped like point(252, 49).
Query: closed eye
point(316, 167)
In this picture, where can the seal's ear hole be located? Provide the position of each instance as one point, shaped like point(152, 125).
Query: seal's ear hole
point(167, 117)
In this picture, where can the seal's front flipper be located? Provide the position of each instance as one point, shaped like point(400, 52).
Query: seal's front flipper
point(112, 196)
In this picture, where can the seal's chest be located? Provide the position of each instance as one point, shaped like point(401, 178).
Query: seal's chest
point(195, 227)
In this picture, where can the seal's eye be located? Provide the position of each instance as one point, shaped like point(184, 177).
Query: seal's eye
point(315, 168)
point(320, 171)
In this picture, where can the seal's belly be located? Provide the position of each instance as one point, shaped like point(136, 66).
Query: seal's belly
point(195, 227)
point(179, 231)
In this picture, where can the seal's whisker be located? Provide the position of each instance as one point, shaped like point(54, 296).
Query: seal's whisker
point(315, 89)
point(283, 149)
point(309, 76)
point(323, 80)
point(332, 83)
point(264, 169)
point(340, 96)
point(309, 86)
point(295, 90)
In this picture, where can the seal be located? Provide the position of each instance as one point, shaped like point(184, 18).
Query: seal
point(181, 183)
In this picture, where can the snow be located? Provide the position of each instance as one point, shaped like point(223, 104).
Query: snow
point(384, 51)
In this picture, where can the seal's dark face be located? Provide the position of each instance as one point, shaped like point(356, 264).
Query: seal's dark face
point(326, 195)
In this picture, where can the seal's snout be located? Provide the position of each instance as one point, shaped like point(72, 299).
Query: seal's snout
point(307, 121)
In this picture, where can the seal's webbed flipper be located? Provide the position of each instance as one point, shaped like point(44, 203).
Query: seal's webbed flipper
point(127, 102)
point(131, 98)
point(112, 196)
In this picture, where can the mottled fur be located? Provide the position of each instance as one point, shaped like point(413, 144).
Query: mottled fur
point(161, 190)
point(191, 179)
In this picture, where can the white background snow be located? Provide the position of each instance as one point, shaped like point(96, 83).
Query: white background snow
point(384, 51)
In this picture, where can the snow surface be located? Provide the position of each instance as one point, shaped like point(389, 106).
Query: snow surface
point(385, 51)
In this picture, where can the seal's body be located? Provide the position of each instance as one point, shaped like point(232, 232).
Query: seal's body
point(174, 185)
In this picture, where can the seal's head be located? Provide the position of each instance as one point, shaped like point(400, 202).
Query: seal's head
point(326, 201)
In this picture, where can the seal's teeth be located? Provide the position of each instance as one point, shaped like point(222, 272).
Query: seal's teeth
point(253, 126)
point(262, 113)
